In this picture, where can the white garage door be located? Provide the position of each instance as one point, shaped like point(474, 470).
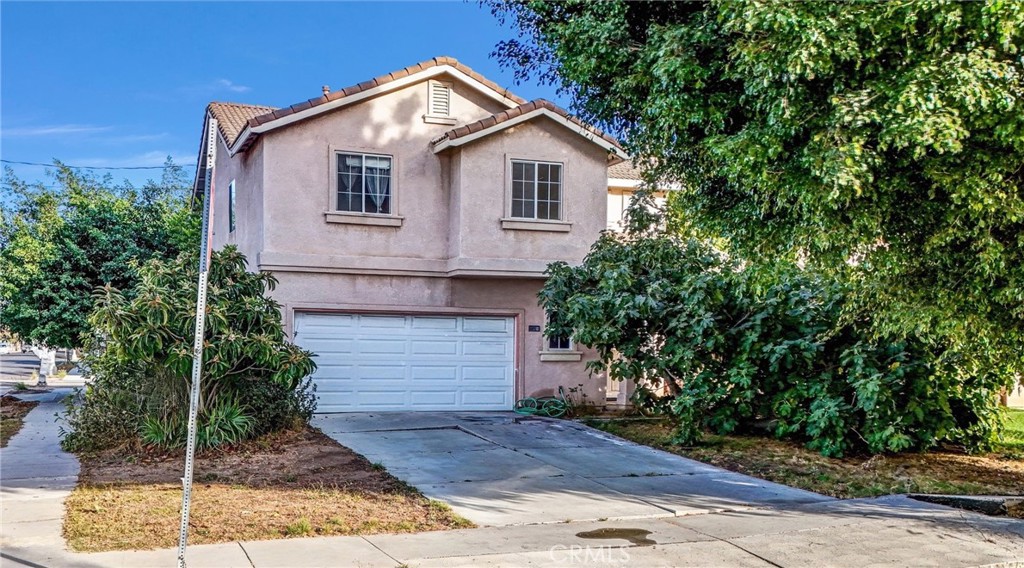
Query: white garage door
point(395, 362)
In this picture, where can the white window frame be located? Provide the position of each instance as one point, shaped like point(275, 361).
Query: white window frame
point(551, 354)
point(511, 190)
point(392, 185)
point(232, 213)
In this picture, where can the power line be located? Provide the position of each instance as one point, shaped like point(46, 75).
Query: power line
point(95, 167)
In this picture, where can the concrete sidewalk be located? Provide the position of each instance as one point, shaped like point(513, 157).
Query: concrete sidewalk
point(893, 531)
point(717, 530)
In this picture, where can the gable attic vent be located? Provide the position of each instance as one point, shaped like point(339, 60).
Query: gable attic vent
point(439, 103)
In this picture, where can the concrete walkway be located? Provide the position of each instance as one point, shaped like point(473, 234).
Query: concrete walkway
point(746, 524)
point(35, 477)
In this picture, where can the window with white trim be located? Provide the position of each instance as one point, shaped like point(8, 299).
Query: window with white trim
point(231, 206)
point(559, 342)
point(536, 190)
point(364, 183)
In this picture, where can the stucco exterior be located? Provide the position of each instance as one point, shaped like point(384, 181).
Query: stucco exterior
point(449, 245)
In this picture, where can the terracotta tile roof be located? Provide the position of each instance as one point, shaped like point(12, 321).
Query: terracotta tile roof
point(232, 117)
point(274, 114)
point(625, 170)
point(520, 110)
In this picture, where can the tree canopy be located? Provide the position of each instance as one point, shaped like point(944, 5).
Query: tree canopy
point(59, 243)
point(878, 143)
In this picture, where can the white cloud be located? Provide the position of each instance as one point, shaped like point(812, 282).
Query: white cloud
point(132, 138)
point(228, 85)
point(153, 158)
point(212, 87)
point(54, 130)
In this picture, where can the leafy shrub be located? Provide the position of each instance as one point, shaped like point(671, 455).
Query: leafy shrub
point(253, 380)
point(112, 406)
point(719, 345)
point(225, 423)
point(275, 407)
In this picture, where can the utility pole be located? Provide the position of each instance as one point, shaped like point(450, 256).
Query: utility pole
point(197, 348)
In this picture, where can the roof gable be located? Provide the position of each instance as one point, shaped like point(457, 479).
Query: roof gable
point(522, 113)
point(395, 80)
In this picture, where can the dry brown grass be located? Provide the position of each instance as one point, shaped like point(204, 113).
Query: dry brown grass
point(12, 417)
point(792, 464)
point(287, 485)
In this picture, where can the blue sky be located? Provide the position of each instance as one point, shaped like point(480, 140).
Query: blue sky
point(125, 83)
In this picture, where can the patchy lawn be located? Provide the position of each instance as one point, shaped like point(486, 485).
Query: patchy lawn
point(291, 484)
point(789, 463)
point(12, 416)
point(1013, 435)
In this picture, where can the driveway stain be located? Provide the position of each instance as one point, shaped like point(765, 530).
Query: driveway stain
point(635, 536)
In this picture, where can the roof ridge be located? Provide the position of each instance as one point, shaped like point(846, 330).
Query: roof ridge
point(237, 104)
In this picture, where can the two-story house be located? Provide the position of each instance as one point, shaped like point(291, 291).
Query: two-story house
point(409, 220)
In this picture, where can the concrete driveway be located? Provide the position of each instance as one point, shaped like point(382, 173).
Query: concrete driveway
point(500, 469)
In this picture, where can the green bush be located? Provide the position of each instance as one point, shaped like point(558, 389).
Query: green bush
point(225, 423)
point(721, 346)
point(275, 407)
point(253, 380)
point(111, 408)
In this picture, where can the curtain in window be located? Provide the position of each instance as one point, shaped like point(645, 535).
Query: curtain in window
point(378, 181)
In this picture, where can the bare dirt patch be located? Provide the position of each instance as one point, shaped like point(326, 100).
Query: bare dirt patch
point(12, 417)
point(791, 464)
point(290, 484)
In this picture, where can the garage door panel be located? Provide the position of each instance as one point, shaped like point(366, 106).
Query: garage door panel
point(446, 347)
point(381, 346)
point(326, 323)
point(487, 325)
point(325, 345)
point(435, 324)
point(373, 373)
point(370, 362)
point(377, 399)
point(493, 348)
point(486, 398)
point(385, 322)
point(432, 399)
point(324, 369)
point(492, 374)
point(434, 373)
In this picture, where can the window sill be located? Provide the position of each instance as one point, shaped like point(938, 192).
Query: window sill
point(561, 356)
point(535, 225)
point(439, 119)
point(363, 219)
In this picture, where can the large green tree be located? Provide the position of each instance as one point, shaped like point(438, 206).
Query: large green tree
point(880, 143)
point(59, 243)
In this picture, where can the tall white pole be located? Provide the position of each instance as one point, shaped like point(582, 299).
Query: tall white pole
point(197, 347)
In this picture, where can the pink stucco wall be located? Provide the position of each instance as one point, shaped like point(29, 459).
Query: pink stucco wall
point(484, 195)
point(247, 172)
point(298, 178)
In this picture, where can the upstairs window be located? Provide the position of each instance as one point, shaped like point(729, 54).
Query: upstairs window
point(231, 206)
point(536, 190)
point(364, 183)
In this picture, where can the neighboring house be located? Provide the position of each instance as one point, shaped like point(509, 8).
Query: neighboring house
point(409, 220)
